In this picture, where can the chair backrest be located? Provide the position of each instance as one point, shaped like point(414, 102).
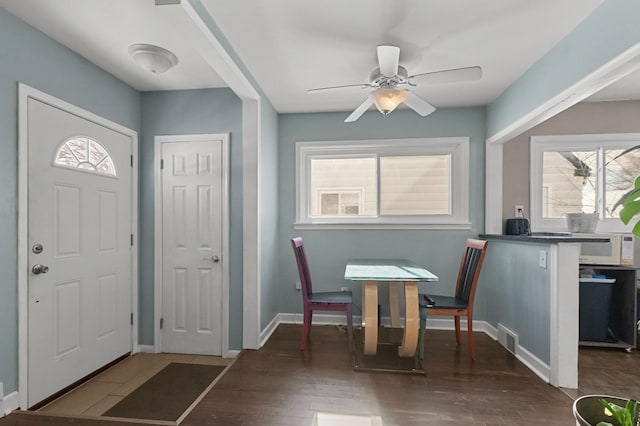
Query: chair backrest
point(470, 266)
point(303, 268)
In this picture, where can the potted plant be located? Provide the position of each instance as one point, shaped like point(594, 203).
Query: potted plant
point(600, 410)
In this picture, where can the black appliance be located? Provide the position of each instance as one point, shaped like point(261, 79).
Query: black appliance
point(518, 226)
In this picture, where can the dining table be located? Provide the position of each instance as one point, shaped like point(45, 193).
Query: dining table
point(397, 274)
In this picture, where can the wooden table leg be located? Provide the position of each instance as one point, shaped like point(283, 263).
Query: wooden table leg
point(412, 320)
point(370, 316)
point(394, 303)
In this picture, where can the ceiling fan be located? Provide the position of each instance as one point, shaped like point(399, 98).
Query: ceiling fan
point(389, 79)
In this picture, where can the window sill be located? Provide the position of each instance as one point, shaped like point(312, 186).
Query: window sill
point(378, 226)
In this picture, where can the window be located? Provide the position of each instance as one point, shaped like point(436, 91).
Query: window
point(580, 173)
point(85, 154)
point(408, 183)
point(339, 203)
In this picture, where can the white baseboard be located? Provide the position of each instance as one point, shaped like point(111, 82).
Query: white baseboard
point(146, 349)
point(534, 363)
point(151, 349)
point(11, 402)
point(231, 354)
point(270, 328)
point(318, 319)
point(433, 323)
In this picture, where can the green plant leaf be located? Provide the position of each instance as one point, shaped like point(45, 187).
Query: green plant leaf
point(629, 211)
point(632, 196)
point(636, 229)
point(622, 199)
point(623, 415)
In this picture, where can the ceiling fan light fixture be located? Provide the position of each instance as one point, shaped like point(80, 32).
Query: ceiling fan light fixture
point(386, 100)
point(154, 59)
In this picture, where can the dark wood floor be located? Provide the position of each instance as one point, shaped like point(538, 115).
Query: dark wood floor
point(279, 385)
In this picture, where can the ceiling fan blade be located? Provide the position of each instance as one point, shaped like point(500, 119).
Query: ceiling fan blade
point(388, 60)
point(419, 105)
point(319, 89)
point(450, 76)
point(359, 111)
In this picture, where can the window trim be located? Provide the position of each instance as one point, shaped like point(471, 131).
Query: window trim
point(540, 144)
point(456, 147)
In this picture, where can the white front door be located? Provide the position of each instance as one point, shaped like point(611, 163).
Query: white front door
point(193, 192)
point(80, 255)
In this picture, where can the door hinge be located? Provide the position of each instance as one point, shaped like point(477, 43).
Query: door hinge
point(131, 318)
point(131, 240)
point(131, 160)
point(161, 164)
point(161, 323)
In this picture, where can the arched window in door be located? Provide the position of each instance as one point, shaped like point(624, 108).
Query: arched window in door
point(85, 154)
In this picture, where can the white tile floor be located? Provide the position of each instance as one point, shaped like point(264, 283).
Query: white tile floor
point(102, 392)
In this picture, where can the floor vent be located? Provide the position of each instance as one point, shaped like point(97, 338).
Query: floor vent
point(507, 338)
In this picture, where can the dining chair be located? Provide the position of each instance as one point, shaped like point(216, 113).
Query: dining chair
point(319, 301)
point(461, 304)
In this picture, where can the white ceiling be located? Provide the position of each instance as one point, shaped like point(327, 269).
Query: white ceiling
point(103, 30)
point(292, 46)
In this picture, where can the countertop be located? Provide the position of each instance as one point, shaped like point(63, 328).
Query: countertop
point(548, 238)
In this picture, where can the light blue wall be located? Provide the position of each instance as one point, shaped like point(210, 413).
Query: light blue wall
point(610, 30)
point(515, 292)
point(269, 211)
point(190, 112)
point(27, 55)
point(328, 250)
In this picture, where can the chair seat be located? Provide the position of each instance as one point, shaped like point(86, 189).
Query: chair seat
point(442, 302)
point(331, 297)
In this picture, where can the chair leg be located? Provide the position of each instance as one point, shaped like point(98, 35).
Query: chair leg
point(456, 320)
point(306, 328)
point(472, 349)
point(350, 327)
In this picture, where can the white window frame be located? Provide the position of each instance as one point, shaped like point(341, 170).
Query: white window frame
point(456, 147)
point(591, 142)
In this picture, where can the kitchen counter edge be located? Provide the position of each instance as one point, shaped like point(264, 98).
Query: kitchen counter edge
point(546, 239)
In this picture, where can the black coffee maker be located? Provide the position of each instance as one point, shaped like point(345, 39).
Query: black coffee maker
point(518, 226)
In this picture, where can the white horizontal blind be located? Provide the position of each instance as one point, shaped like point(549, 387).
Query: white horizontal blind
point(415, 185)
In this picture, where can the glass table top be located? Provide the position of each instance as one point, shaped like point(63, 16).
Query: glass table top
point(386, 270)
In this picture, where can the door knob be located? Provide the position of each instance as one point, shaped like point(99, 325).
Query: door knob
point(39, 269)
point(214, 259)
